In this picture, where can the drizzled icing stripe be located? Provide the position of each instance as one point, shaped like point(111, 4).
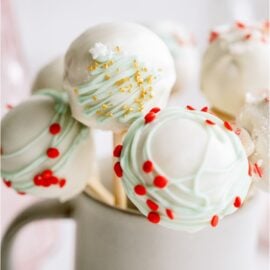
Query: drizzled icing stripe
point(194, 209)
point(119, 88)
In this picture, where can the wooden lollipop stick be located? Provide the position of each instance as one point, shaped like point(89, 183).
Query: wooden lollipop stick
point(96, 189)
point(222, 115)
point(119, 192)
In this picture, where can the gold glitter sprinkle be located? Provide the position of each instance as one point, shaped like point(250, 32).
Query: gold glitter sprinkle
point(117, 49)
point(121, 81)
point(109, 114)
point(135, 64)
point(75, 90)
point(107, 77)
point(144, 69)
point(93, 66)
point(94, 98)
point(149, 79)
point(104, 106)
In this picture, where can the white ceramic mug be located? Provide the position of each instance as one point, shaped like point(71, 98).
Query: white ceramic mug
point(113, 239)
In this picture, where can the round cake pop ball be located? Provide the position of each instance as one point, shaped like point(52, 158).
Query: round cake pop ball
point(254, 117)
point(50, 76)
point(181, 44)
point(45, 152)
point(115, 72)
point(183, 168)
point(235, 63)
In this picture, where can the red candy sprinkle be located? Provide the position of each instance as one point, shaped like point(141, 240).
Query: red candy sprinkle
point(160, 181)
point(38, 180)
point(213, 36)
point(190, 108)
point(55, 128)
point(140, 190)
point(170, 213)
point(153, 217)
point(47, 173)
point(209, 122)
point(7, 183)
point(117, 150)
point(214, 221)
point(240, 25)
point(62, 183)
point(21, 193)
point(149, 117)
point(53, 152)
point(258, 169)
point(247, 37)
point(152, 205)
point(118, 169)
point(237, 202)
point(53, 180)
point(148, 166)
point(155, 110)
point(204, 109)
point(228, 126)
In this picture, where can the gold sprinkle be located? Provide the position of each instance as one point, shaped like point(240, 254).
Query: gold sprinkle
point(94, 98)
point(135, 64)
point(107, 77)
point(117, 49)
point(149, 79)
point(104, 106)
point(75, 90)
point(93, 66)
point(121, 81)
point(109, 114)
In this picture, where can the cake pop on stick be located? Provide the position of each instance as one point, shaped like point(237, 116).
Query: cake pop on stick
point(234, 64)
point(115, 72)
point(44, 150)
point(50, 76)
point(184, 168)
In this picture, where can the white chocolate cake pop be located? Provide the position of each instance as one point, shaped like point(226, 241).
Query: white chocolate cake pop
point(182, 168)
point(115, 72)
point(181, 44)
point(234, 64)
point(45, 152)
point(50, 76)
point(254, 118)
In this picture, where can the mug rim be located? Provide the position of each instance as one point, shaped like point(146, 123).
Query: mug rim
point(113, 207)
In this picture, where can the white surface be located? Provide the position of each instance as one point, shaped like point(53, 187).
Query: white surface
point(48, 27)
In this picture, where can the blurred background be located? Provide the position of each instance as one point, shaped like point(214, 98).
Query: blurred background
point(35, 32)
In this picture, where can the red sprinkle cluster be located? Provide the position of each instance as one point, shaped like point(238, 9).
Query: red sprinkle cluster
point(47, 179)
point(7, 183)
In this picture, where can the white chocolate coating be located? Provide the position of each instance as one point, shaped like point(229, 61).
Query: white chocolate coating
point(50, 76)
point(205, 166)
point(234, 64)
point(93, 86)
point(254, 117)
point(26, 138)
point(181, 44)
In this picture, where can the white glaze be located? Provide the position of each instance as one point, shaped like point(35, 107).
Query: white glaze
point(235, 64)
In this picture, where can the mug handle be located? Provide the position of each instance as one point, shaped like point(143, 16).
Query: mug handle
point(48, 209)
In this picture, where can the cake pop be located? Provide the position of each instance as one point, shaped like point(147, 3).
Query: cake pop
point(183, 168)
point(44, 151)
point(234, 64)
point(115, 72)
point(254, 118)
point(50, 76)
point(181, 44)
